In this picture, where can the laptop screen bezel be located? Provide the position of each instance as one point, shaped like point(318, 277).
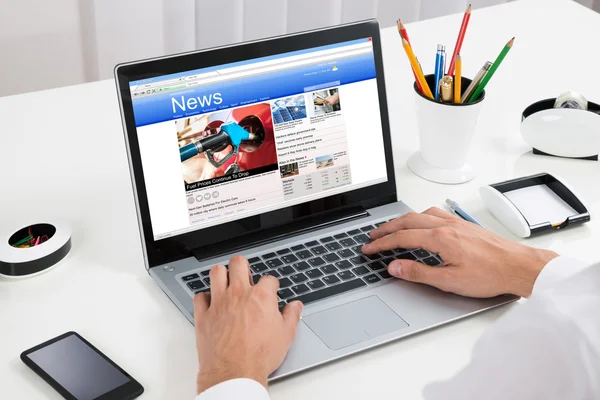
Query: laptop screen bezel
point(159, 252)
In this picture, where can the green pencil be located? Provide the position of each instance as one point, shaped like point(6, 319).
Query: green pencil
point(493, 68)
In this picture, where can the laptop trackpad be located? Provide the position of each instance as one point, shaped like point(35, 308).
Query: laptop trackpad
point(352, 323)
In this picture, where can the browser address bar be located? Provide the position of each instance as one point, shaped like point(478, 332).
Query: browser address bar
point(280, 66)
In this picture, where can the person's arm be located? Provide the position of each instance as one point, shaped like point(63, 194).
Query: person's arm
point(548, 348)
point(232, 366)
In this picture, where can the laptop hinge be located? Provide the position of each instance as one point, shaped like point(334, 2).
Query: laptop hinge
point(269, 235)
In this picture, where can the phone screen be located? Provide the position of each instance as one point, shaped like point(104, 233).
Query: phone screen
point(78, 368)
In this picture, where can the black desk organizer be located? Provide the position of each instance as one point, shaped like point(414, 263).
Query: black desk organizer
point(557, 187)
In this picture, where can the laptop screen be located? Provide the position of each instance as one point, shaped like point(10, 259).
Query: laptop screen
point(236, 140)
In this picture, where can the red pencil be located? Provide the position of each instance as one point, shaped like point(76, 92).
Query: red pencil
point(404, 35)
point(459, 40)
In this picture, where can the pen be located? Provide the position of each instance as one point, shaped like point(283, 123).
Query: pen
point(438, 72)
point(462, 213)
point(475, 82)
point(446, 89)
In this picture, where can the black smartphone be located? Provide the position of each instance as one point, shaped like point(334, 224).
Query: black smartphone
point(79, 371)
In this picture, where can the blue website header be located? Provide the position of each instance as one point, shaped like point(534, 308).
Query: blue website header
point(252, 89)
point(246, 62)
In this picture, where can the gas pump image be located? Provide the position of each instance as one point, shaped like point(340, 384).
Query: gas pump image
point(241, 142)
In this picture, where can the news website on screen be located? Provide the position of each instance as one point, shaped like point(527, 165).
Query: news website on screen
point(228, 142)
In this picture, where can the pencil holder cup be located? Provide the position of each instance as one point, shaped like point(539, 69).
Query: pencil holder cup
point(445, 134)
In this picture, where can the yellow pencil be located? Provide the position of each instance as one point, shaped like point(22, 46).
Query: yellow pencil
point(457, 78)
point(415, 66)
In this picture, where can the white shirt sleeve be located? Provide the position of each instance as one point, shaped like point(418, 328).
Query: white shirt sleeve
point(548, 348)
point(235, 389)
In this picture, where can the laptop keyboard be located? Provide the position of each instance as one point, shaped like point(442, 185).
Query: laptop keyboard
point(322, 268)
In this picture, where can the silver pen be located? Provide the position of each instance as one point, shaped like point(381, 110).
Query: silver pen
point(456, 209)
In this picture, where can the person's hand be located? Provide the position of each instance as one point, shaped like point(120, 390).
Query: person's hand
point(477, 262)
point(334, 98)
point(240, 332)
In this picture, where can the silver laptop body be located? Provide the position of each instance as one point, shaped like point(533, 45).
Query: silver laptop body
point(279, 150)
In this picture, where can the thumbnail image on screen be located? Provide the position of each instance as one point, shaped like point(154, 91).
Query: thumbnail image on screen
point(289, 109)
point(325, 102)
point(226, 142)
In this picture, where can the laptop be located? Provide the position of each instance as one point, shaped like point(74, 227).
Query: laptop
point(279, 150)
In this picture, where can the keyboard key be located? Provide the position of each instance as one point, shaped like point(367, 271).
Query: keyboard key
point(298, 247)
point(281, 305)
point(329, 269)
point(283, 251)
point(373, 257)
point(346, 253)
point(376, 266)
point(358, 249)
point(405, 256)
point(387, 261)
point(195, 285)
point(367, 228)
point(256, 278)
point(432, 261)
point(202, 291)
point(260, 267)
point(420, 253)
point(269, 255)
point(317, 251)
point(285, 293)
point(207, 281)
point(299, 289)
point(340, 235)
point(290, 258)
point(206, 272)
point(331, 280)
point(316, 284)
point(299, 278)
point(385, 275)
point(353, 232)
point(285, 282)
point(331, 257)
point(347, 242)
point(358, 260)
point(287, 270)
point(304, 254)
point(301, 266)
point(331, 291)
point(333, 246)
point(274, 273)
point(311, 243)
point(387, 253)
point(190, 277)
point(344, 264)
point(327, 239)
point(362, 239)
point(346, 275)
point(274, 263)
point(316, 262)
point(400, 251)
point(314, 273)
point(371, 279)
point(360, 270)
point(379, 224)
point(254, 260)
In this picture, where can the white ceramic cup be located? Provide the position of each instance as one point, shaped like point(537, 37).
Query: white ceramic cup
point(445, 134)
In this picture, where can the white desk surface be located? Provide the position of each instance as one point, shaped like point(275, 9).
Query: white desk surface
point(62, 155)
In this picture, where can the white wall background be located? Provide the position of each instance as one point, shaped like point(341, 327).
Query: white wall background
point(51, 43)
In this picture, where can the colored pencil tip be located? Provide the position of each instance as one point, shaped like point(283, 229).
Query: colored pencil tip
point(468, 10)
point(400, 24)
point(510, 42)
